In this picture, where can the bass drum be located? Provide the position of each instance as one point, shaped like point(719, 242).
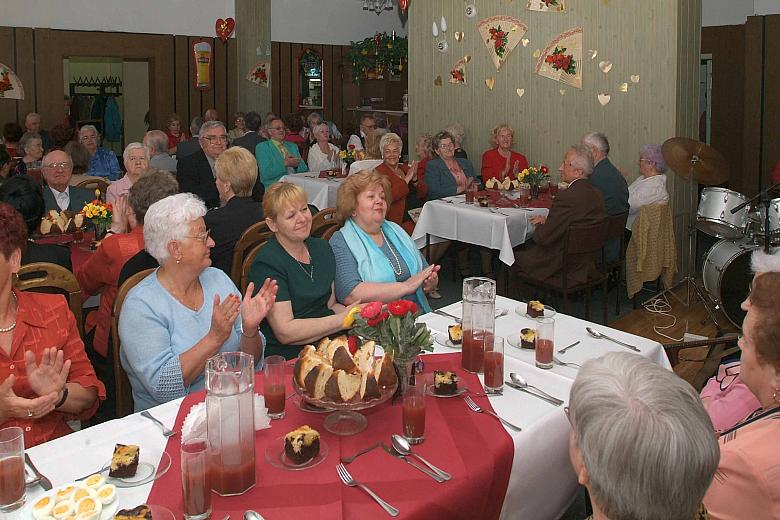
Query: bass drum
point(727, 276)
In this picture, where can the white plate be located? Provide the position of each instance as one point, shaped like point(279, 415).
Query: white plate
point(105, 514)
point(275, 456)
point(444, 340)
point(549, 312)
point(514, 341)
point(460, 391)
point(147, 471)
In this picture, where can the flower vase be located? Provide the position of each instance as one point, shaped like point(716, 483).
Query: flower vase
point(404, 368)
point(347, 165)
point(101, 229)
point(534, 191)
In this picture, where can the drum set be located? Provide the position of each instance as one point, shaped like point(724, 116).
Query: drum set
point(742, 224)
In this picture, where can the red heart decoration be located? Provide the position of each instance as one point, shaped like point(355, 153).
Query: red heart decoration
point(404, 5)
point(225, 28)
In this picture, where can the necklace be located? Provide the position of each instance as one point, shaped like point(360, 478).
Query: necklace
point(13, 325)
point(397, 261)
point(311, 265)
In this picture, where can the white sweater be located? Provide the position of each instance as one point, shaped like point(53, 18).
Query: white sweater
point(644, 191)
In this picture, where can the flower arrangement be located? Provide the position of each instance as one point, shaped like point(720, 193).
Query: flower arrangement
point(458, 76)
point(500, 39)
point(351, 155)
point(533, 175)
point(99, 213)
point(548, 3)
point(562, 61)
point(5, 82)
point(372, 56)
point(393, 327)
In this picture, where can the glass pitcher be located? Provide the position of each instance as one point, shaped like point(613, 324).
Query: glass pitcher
point(479, 305)
point(230, 412)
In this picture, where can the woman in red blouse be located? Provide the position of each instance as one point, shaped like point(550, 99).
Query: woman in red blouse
point(400, 175)
point(46, 376)
point(501, 161)
point(175, 133)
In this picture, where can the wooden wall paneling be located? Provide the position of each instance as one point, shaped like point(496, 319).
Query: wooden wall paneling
point(233, 75)
point(285, 84)
point(752, 115)
point(295, 78)
point(183, 80)
point(276, 92)
point(196, 96)
point(8, 107)
point(350, 92)
point(219, 92)
point(771, 99)
point(25, 69)
point(253, 20)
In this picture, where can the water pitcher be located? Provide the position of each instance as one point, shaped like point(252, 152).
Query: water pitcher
point(479, 305)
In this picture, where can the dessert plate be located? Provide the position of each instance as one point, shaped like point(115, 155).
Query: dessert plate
point(444, 340)
point(161, 512)
point(275, 456)
point(105, 514)
point(458, 392)
point(148, 470)
point(514, 341)
point(549, 312)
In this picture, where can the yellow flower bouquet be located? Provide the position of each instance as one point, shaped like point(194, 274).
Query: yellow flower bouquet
point(100, 214)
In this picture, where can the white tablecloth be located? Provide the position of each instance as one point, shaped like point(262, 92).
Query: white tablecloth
point(319, 192)
point(496, 228)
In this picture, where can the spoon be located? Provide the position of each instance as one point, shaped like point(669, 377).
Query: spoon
point(403, 447)
point(599, 335)
point(252, 515)
point(520, 381)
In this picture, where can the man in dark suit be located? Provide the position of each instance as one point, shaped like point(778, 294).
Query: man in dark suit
point(57, 170)
point(196, 172)
point(250, 139)
point(191, 145)
point(605, 177)
point(580, 204)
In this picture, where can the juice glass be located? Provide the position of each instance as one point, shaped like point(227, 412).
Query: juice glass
point(545, 342)
point(471, 191)
point(12, 489)
point(196, 478)
point(413, 411)
point(494, 365)
point(273, 386)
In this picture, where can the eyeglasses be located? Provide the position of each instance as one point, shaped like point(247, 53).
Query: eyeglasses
point(89, 138)
point(645, 160)
point(446, 146)
point(203, 237)
point(58, 165)
point(278, 128)
point(216, 138)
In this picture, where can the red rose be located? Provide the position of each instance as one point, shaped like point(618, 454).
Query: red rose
point(411, 307)
point(544, 169)
point(566, 63)
point(351, 147)
point(371, 310)
point(397, 308)
point(373, 322)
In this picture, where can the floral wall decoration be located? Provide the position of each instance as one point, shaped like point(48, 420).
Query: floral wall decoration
point(458, 72)
point(561, 60)
point(501, 35)
point(382, 53)
point(260, 73)
point(10, 84)
point(554, 6)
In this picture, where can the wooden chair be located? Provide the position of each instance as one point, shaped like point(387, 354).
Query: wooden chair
point(716, 352)
point(48, 277)
point(328, 231)
point(248, 261)
point(616, 233)
point(124, 392)
point(93, 184)
point(581, 242)
point(254, 234)
point(322, 220)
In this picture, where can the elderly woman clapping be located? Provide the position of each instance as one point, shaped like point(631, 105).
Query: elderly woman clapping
point(185, 312)
point(323, 155)
point(136, 157)
point(640, 442)
point(501, 161)
point(102, 162)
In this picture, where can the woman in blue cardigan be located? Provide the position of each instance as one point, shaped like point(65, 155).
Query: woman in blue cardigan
point(447, 175)
point(277, 157)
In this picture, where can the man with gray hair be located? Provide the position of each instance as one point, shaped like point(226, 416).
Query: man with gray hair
point(605, 177)
point(641, 441)
point(191, 145)
point(156, 143)
point(196, 172)
point(579, 205)
point(32, 123)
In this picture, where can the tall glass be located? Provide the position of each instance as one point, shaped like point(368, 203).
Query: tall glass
point(230, 412)
point(545, 342)
point(479, 305)
point(494, 365)
point(273, 386)
point(413, 411)
point(12, 493)
point(196, 478)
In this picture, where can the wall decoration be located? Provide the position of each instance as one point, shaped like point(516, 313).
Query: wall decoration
point(520, 92)
point(501, 35)
point(635, 78)
point(562, 59)
point(458, 72)
point(490, 83)
point(623, 87)
point(552, 6)
point(605, 66)
point(525, 42)
point(537, 53)
point(562, 91)
point(593, 53)
point(437, 81)
point(441, 43)
point(459, 35)
point(203, 58)
point(374, 56)
point(224, 28)
point(604, 99)
point(260, 73)
point(471, 10)
point(404, 6)
point(10, 84)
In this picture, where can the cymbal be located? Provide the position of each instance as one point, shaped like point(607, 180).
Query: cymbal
point(710, 168)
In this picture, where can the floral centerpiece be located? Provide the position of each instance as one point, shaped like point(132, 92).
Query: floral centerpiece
point(100, 214)
point(351, 155)
point(534, 176)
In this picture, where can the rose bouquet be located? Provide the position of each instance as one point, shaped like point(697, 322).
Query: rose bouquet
point(394, 328)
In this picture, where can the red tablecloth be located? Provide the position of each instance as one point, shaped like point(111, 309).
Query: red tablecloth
point(501, 201)
point(474, 448)
point(79, 253)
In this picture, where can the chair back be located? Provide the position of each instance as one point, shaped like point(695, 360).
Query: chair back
point(94, 183)
point(616, 230)
point(321, 221)
point(365, 164)
point(124, 392)
point(652, 251)
point(255, 234)
point(328, 231)
point(48, 277)
point(248, 261)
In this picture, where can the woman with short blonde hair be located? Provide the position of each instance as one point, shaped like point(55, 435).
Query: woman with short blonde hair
point(399, 175)
point(501, 161)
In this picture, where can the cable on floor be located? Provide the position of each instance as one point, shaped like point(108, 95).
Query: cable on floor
point(661, 306)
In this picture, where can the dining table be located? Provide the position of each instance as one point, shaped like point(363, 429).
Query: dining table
point(505, 473)
point(321, 191)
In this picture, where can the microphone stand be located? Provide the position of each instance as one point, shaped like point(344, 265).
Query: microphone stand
point(765, 201)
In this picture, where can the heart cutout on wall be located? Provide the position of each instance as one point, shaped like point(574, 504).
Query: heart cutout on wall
point(225, 28)
point(604, 99)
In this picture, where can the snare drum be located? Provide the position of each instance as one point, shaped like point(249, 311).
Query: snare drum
point(714, 215)
point(774, 219)
point(727, 276)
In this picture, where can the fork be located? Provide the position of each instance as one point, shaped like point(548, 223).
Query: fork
point(347, 479)
point(565, 363)
point(476, 408)
point(165, 431)
point(347, 460)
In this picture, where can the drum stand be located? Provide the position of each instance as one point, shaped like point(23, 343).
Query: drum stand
point(690, 273)
point(764, 200)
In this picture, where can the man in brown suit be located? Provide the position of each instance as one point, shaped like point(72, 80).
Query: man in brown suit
point(579, 204)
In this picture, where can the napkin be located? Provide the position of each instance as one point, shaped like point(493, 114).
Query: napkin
point(195, 424)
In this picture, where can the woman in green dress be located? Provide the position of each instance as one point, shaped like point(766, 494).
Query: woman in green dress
point(304, 268)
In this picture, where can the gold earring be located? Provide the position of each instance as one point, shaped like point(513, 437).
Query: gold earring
point(178, 260)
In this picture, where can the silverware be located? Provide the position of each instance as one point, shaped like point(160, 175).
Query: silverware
point(446, 315)
point(403, 447)
point(390, 451)
point(520, 381)
point(166, 432)
point(501, 312)
point(565, 363)
point(252, 515)
point(564, 349)
point(347, 479)
point(41, 479)
point(530, 392)
point(476, 408)
point(599, 335)
point(347, 460)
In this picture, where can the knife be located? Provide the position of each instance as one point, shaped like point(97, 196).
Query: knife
point(556, 402)
point(42, 480)
point(446, 314)
point(435, 476)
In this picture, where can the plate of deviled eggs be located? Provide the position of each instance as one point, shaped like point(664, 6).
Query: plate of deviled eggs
point(88, 499)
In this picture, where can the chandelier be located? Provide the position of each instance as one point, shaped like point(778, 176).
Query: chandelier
point(378, 6)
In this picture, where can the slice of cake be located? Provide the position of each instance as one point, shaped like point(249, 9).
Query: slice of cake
point(528, 338)
point(445, 383)
point(342, 387)
point(142, 512)
point(315, 380)
point(342, 360)
point(369, 389)
point(456, 333)
point(302, 444)
point(384, 372)
point(535, 309)
point(124, 462)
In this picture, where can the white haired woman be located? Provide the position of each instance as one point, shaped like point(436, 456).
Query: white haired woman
point(102, 162)
point(501, 161)
point(400, 175)
point(323, 154)
point(458, 134)
point(650, 187)
point(641, 441)
point(136, 158)
point(186, 311)
point(31, 145)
